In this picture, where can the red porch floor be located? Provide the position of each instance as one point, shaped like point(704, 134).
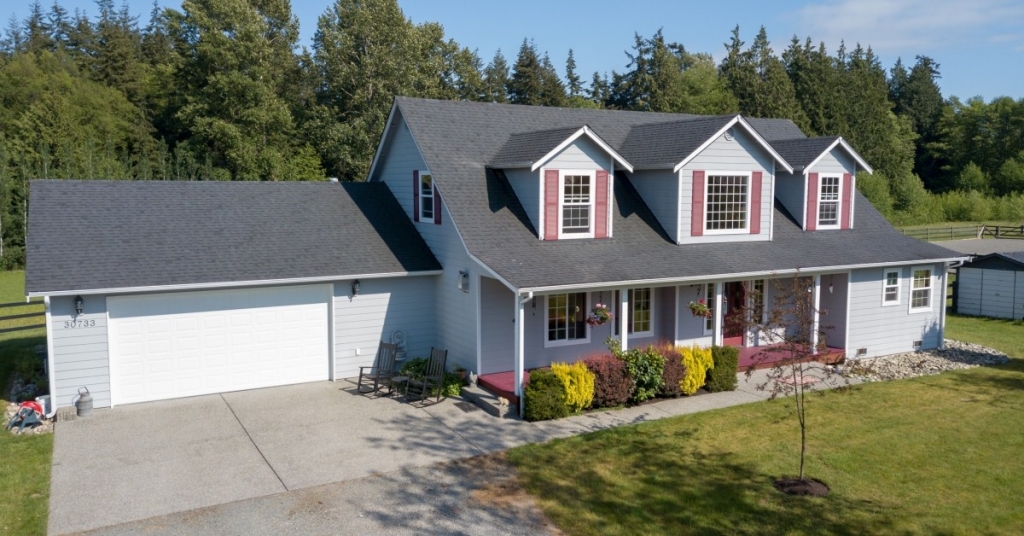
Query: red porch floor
point(503, 383)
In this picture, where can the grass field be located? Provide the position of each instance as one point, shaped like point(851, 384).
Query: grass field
point(940, 454)
point(25, 474)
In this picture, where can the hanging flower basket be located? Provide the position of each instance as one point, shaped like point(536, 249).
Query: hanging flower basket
point(599, 315)
point(700, 308)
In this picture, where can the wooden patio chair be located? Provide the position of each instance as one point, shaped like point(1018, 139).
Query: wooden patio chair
point(433, 379)
point(380, 372)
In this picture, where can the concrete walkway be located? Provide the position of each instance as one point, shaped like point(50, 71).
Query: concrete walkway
point(136, 462)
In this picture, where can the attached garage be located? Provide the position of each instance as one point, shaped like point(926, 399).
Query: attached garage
point(182, 344)
point(992, 285)
point(158, 289)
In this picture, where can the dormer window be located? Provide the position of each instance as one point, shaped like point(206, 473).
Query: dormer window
point(830, 189)
point(727, 203)
point(577, 204)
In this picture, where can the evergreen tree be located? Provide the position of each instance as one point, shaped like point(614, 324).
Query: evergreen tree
point(920, 100)
point(38, 33)
point(759, 80)
point(496, 79)
point(525, 86)
point(551, 87)
point(600, 89)
point(572, 80)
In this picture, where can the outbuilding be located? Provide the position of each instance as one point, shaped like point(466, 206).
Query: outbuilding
point(992, 285)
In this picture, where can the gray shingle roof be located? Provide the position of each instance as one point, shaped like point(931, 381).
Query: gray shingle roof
point(775, 129)
point(458, 138)
point(667, 144)
point(117, 234)
point(801, 152)
point(528, 147)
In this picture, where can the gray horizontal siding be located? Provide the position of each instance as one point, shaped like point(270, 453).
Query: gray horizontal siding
point(80, 354)
point(660, 191)
point(891, 329)
point(526, 185)
point(581, 154)
point(790, 190)
point(741, 154)
point(497, 326)
point(382, 307)
point(689, 328)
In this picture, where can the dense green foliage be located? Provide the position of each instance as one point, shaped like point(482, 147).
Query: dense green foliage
point(544, 397)
point(723, 376)
point(645, 366)
point(221, 90)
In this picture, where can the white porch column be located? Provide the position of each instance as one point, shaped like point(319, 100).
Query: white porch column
point(624, 317)
point(717, 336)
point(817, 316)
point(520, 302)
point(942, 307)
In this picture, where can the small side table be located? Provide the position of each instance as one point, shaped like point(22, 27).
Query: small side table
point(402, 381)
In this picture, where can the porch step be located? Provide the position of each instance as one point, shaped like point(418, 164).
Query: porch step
point(488, 402)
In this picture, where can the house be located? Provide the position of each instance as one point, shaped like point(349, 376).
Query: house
point(490, 230)
point(992, 285)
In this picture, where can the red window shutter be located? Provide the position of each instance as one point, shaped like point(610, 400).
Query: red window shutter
point(437, 205)
point(697, 205)
point(811, 222)
point(551, 204)
point(755, 202)
point(415, 195)
point(601, 205)
point(847, 201)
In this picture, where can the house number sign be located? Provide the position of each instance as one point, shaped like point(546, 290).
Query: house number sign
point(79, 323)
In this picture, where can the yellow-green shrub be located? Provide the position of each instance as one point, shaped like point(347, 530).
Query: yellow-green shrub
point(578, 382)
point(698, 361)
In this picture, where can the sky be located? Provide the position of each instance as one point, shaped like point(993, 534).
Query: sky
point(979, 44)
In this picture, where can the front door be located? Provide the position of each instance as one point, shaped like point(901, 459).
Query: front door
point(732, 329)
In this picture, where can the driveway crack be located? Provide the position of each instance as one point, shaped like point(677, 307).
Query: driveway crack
point(247, 434)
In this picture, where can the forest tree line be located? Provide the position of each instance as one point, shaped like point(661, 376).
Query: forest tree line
point(221, 90)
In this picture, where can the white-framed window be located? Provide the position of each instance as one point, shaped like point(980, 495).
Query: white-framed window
point(640, 320)
point(576, 204)
point(830, 189)
point(757, 300)
point(567, 319)
point(921, 289)
point(726, 203)
point(709, 295)
point(891, 287)
point(426, 197)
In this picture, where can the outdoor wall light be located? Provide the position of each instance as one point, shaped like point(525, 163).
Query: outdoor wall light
point(355, 288)
point(79, 305)
point(464, 280)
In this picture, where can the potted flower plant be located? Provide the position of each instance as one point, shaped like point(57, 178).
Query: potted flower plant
point(700, 308)
point(599, 315)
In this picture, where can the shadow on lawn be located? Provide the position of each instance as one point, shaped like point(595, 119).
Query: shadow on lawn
point(990, 381)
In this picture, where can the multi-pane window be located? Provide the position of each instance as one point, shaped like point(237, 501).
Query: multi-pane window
point(576, 204)
point(426, 197)
point(640, 310)
point(726, 203)
point(891, 290)
point(828, 201)
point(709, 321)
point(758, 300)
point(921, 289)
point(567, 315)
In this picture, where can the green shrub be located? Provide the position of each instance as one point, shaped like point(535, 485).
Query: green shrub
point(644, 366)
point(544, 397)
point(697, 361)
point(417, 368)
point(612, 384)
point(723, 376)
point(578, 383)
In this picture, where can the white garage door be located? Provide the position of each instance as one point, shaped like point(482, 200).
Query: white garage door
point(195, 343)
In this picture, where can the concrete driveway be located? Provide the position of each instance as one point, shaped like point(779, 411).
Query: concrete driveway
point(172, 462)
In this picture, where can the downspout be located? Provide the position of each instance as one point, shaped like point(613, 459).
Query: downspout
point(49, 360)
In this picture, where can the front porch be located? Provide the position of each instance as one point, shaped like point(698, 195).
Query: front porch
point(554, 327)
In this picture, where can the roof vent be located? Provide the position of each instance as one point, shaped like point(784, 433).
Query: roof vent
point(333, 179)
point(861, 352)
point(917, 346)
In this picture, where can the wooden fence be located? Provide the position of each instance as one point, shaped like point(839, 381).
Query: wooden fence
point(963, 232)
point(5, 320)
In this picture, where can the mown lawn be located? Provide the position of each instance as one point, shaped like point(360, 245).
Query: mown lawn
point(24, 460)
point(941, 454)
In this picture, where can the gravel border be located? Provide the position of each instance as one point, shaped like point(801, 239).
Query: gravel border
point(956, 356)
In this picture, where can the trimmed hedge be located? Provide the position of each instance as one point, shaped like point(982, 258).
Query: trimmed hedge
point(674, 371)
point(612, 384)
point(697, 361)
point(723, 376)
point(544, 397)
point(578, 383)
